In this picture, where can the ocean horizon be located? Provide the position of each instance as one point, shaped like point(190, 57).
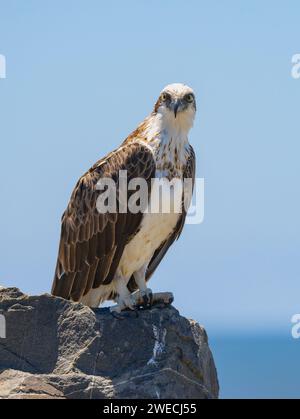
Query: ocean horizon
point(257, 366)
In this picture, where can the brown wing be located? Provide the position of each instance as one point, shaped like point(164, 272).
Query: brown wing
point(91, 243)
point(189, 173)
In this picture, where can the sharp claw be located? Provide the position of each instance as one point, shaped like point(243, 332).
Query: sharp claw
point(147, 299)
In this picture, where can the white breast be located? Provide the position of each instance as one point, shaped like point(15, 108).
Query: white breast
point(157, 227)
point(154, 230)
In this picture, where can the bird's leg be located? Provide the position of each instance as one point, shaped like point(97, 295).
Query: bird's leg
point(125, 299)
point(144, 292)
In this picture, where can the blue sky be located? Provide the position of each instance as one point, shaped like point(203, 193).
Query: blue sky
point(82, 75)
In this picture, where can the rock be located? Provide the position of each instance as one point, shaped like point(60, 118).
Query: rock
point(58, 349)
point(21, 385)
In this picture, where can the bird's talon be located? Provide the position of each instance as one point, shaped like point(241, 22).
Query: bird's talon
point(147, 297)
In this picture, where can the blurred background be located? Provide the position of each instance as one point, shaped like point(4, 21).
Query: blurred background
point(82, 74)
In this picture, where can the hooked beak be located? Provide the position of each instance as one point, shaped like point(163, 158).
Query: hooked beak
point(176, 106)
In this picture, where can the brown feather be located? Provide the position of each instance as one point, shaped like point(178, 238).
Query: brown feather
point(104, 267)
point(89, 260)
point(62, 285)
point(91, 276)
point(80, 282)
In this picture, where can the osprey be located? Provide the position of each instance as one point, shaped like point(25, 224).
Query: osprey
point(111, 256)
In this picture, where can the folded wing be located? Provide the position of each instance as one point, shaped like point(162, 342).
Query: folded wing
point(92, 243)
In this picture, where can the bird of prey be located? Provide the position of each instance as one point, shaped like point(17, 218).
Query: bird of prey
point(111, 256)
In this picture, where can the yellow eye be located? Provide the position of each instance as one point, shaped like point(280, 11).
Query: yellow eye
point(164, 97)
point(189, 98)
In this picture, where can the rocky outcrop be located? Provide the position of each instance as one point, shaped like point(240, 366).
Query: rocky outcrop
point(57, 349)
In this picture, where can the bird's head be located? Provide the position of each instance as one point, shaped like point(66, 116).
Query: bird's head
point(177, 104)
